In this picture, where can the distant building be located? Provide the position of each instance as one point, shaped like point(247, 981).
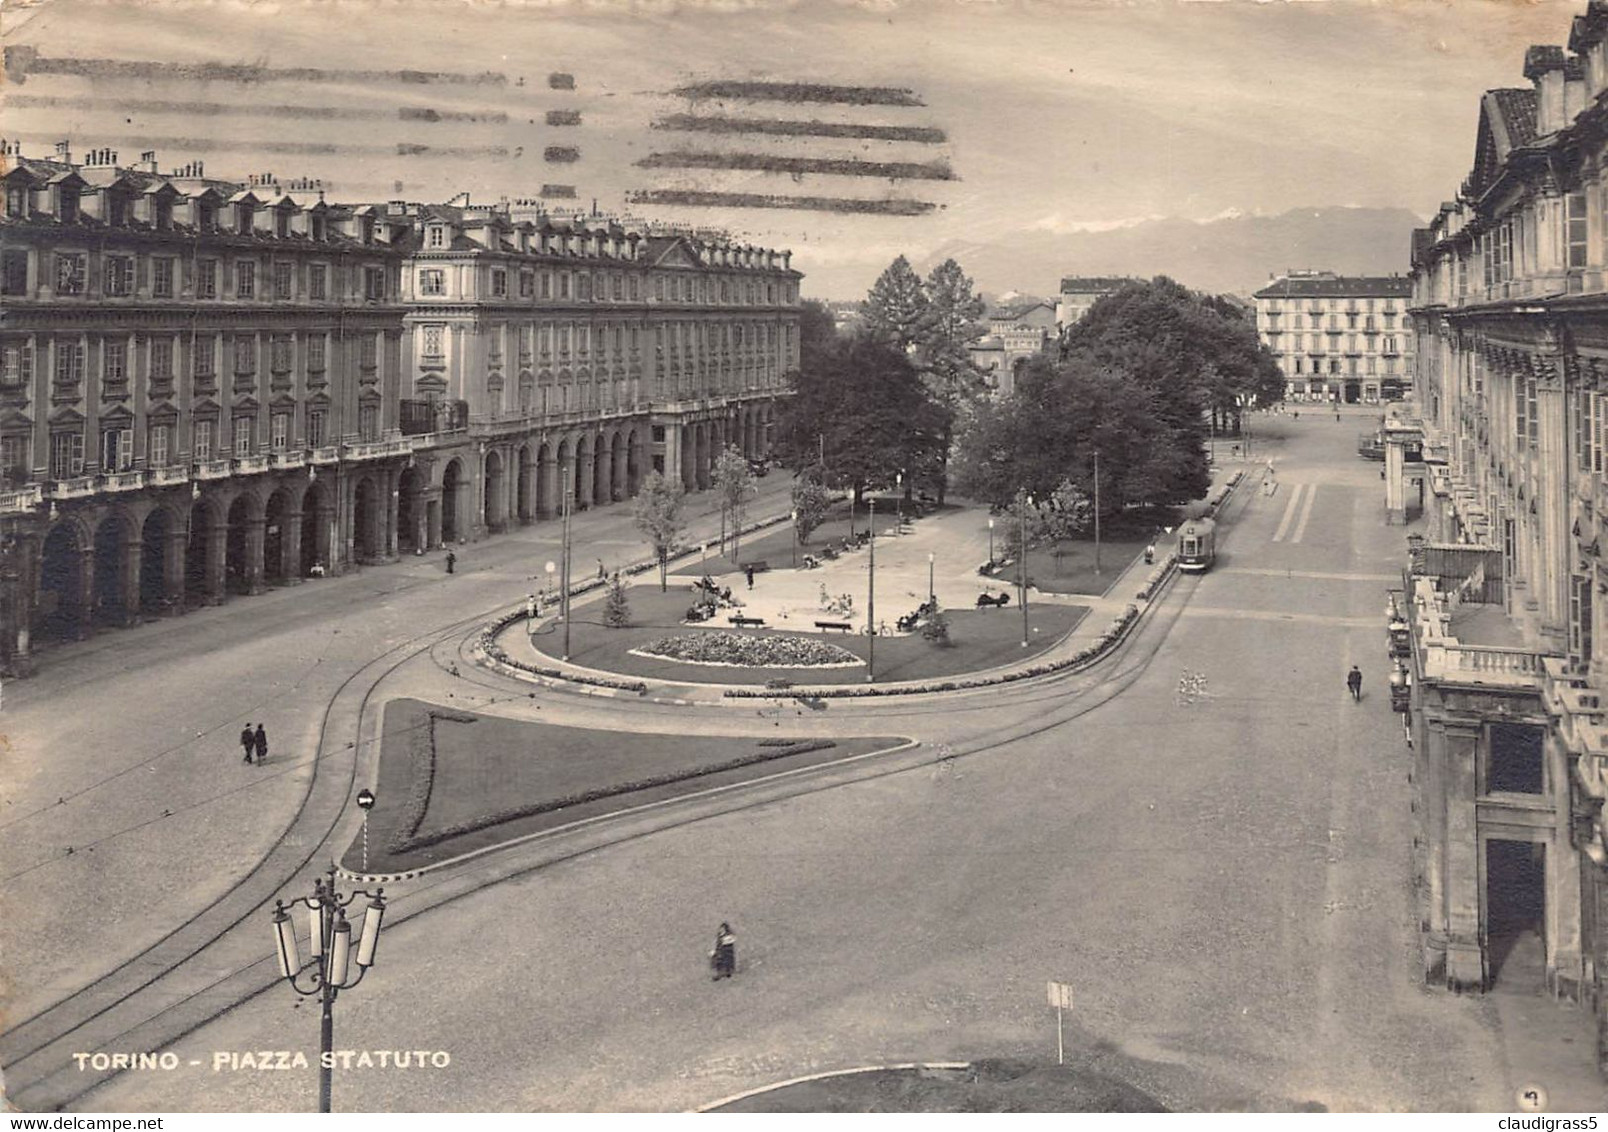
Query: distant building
point(1080, 292)
point(1338, 337)
point(1015, 333)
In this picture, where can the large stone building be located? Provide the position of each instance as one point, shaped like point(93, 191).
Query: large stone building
point(209, 387)
point(1338, 337)
point(1016, 332)
point(1080, 292)
point(1505, 590)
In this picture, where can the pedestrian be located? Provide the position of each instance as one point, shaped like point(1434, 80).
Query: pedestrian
point(1298, 414)
point(749, 570)
point(1354, 682)
point(452, 561)
point(533, 610)
point(602, 574)
point(1150, 554)
point(260, 742)
point(248, 741)
point(723, 959)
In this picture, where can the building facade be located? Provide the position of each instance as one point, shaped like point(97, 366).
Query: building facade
point(1338, 338)
point(1015, 333)
point(210, 387)
point(1505, 594)
point(1080, 292)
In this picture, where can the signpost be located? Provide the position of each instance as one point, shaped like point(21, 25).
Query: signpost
point(365, 802)
point(1061, 999)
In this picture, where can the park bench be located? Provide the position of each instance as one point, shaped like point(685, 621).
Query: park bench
point(742, 622)
point(840, 626)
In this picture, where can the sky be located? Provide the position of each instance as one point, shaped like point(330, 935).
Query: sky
point(1054, 116)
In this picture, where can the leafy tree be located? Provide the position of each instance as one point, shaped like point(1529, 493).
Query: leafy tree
point(936, 628)
point(810, 503)
point(656, 511)
point(952, 323)
point(616, 609)
point(864, 402)
point(817, 330)
point(732, 480)
point(896, 308)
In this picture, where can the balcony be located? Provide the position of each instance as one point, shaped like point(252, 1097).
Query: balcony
point(378, 449)
point(170, 474)
point(79, 487)
point(123, 481)
point(1446, 624)
point(281, 460)
point(18, 500)
point(328, 454)
point(250, 465)
point(212, 470)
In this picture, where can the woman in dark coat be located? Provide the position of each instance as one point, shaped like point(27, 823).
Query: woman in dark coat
point(724, 957)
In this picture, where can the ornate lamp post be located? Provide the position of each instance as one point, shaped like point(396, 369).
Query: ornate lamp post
point(871, 597)
point(990, 542)
point(1023, 501)
point(932, 591)
point(330, 947)
point(564, 579)
point(793, 515)
point(898, 502)
point(1096, 510)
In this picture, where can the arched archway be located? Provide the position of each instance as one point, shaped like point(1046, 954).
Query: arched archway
point(198, 553)
point(412, 533)
point(112, 564)
point(602, 466)
point(365, 520)
point(238, 566)
point(315, 534)
point(155, 535)
point(546, 486)
point(492, 510)
point(275, 534)
point(59, 612)
point(581, 479)
point(451, 488)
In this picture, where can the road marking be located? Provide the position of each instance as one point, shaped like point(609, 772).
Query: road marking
point(1289, 512)
point(1306, 514)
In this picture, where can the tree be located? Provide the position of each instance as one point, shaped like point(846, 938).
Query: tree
point(616, 609)
point(733, 481)
point(895, 311)
point(936, 627)
point(864, 404)
point(952, 323)
point(657, 513)
point(810, 503)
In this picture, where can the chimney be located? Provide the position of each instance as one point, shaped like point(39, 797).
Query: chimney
point(64, 152)
point(148, 161)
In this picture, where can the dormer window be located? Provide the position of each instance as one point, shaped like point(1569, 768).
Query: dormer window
point(207, 217)
point(162, 214)
point(243, 219)
point(282, 223)
point(365, 228)
point(116, 210)
point(438, 237)
point(315, 227)
point(67, 207)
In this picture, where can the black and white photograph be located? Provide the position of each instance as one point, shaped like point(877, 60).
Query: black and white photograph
point(804, 556)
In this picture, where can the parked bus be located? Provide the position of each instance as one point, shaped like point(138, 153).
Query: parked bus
point(1197, 545)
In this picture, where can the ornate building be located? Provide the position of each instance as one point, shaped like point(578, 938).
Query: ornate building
point(209, 387)
point(1505, 591)
point(1338, 337)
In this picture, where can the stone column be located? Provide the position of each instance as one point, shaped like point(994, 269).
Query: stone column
point(290, 534)
point(131, 553)
point(547, 485)
point(1395, 487)
point(604, 490)
point(393, 499)
point(1549, 580)
point(173, 563)
point(622, 455)
point(1465, 950)
point(85, 626)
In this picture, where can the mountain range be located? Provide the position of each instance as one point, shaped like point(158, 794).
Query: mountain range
point(1234, 254)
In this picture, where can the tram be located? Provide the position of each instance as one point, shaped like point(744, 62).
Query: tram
point(1197, 545)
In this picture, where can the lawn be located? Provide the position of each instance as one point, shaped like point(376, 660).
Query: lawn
point(986, 1086)
point(775, 544)
point(452, 781)
point(1068, 567)
point(981, 639)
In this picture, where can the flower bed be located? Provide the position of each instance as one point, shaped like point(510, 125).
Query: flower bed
point(494, 652)
point(1102, 644)
point(740, 650)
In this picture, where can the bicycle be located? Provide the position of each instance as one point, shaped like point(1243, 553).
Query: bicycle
point(882, 630)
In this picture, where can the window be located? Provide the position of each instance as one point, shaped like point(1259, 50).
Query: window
point(367, 352)
point(66, 455)
point(207, 217)
point(13, 272)
point(279, 435)
point(16, 458)
point(282, 223)
point(438, 237)
point(368, 422)
point(499, 282)
point(243, 219)
point(547, 285)
point(245, 354)
point(1580, 619)
point(317, 281)
point(282, 279)
point(158, 443)
point(242, 436)
point(245, 279)
point(203, 440)
point(1575, 225)
point(432, 341)
point(162, 278)
point(162, 214)
point(206, 279)
point(315, 226)
point(563, 284)
point(315, 428)
point(374, 284)
point(315, 353)
point(16, 365)
point(280, 353)
point(70, 270)
point(69, 362)
point(583, 287)
point(117, 449)
point(16, 200)
point(206, 357)
point(119, 275)
point(1534, 418)
point(67, 213)
point(114, 363)
point(432, 282)
point(527, 284)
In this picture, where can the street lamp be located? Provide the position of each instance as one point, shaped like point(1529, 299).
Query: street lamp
point(898, 502)
point(793, 515)
point(330, 948)
point(1096, 510)
point(990, 542)
point(1023, 500)
point(932, 591)
point(871, 597)
point(564, 578)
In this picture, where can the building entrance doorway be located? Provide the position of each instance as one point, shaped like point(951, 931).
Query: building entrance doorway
point(1515, 914)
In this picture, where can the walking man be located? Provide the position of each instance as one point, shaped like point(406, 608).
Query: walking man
point(533, 610)
point(602, 574)
point(749, 570)
point(1354, 682)
point(452, 561)
point(248, 741)
point(724, 957)
point(260, 742)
